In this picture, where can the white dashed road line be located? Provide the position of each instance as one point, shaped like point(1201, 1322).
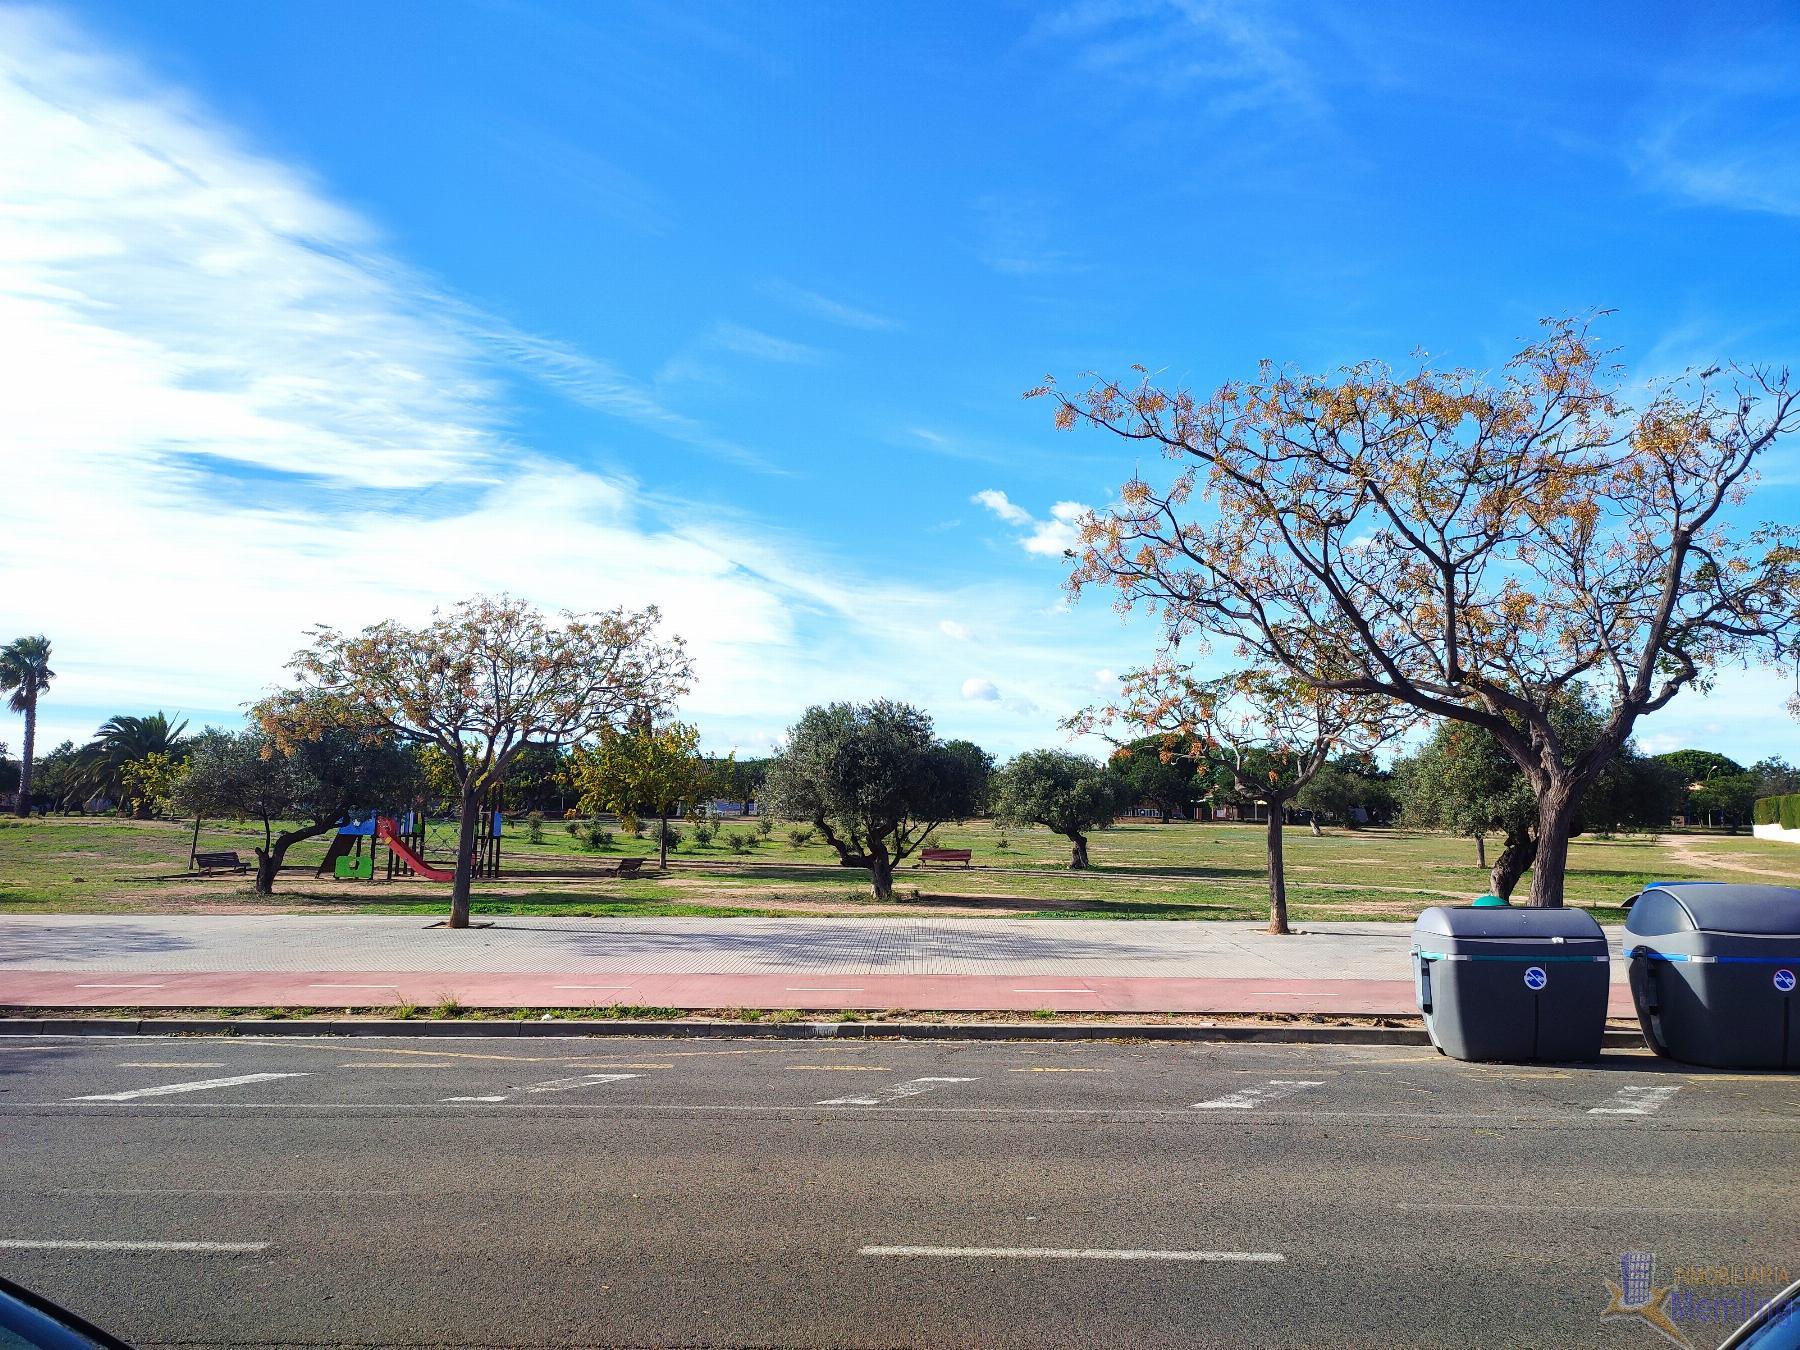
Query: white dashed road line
point(911, 1088)
point(119, 986)
point(68, 1245)
point(1637, 1101)
point(590, 986)
point(1054, 991)
point(824, 989)
point(1074, 1254)
point(553, 1085)
point(169, 1089)
point(1245, 1099)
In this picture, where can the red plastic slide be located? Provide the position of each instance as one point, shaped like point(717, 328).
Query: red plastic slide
point(385, 831)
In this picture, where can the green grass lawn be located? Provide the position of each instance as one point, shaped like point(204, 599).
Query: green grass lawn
point(1141, 871)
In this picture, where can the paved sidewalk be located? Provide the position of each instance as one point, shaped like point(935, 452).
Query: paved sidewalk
point(1068, 965)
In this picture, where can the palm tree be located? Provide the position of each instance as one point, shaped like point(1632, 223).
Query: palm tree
point(25, 673)
point(126, 740)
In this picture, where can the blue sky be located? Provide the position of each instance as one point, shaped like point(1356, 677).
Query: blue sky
point(324, 312)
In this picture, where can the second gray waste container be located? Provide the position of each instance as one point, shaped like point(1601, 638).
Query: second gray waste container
point(1713, 972)
point(1512, 984)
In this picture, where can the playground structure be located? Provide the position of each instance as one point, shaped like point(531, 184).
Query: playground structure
point(404, 837)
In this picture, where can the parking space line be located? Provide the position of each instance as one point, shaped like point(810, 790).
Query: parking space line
point(824, 989)
point(170, 1064)
point(120, 986)
point(1245, 1099)
point(1637, 1101)
point(72, 1245)
point(1075, 1254)
point(842, 1068)
point(168, 1089)
point(592, 986)
point(913, 1087)
point(1054, 991)
point(1048, 1069)
point(500, 1098)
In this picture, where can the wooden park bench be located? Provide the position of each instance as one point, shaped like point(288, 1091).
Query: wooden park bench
point(220, 862)
point(945, 855)
point(625, 867)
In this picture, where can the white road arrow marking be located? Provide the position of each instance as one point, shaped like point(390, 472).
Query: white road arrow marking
point(1246, 1099)
point(169, 1089)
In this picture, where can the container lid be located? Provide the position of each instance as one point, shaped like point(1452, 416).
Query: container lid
point(1715, 907)
point(1490, 902)
point(1509, 921)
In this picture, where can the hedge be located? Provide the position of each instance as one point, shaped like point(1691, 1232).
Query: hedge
point(1782, 811)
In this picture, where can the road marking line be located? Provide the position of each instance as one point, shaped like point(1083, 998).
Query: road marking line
point(584, 1080)
point(842, 1068)
point(618, 1064)
point(1246, 1098)
point(1075, 1253)
point(352, 986)
point(824, 989)
point(1637, 1101)
point(400, 1064)
point(297, 1044)
point(168, 1088)
point(911, 1088)
point(474, 1099)
point(66, 1245)
point(170, 1064)
point(1046, 1069)
point(121, 986)
point(1056, 991)
point(592, 986)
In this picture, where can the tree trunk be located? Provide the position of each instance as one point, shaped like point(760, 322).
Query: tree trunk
point(1481, 851)
point(1278, 915)
point(662, 841)
point(268, 863)
point(1313, 820)
point(1556, 821)
point(24, 804)
point(1515, 857)
point(1078, 856)
point(881, 876)
point(467, 825)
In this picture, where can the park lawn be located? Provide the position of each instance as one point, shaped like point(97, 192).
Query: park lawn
point(1142, 870)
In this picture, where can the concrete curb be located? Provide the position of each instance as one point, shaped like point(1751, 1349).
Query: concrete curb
point(921, 1031)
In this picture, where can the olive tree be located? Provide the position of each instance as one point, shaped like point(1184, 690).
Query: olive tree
point(874, 780)
point(1066, 793)
point(481, 682)
point(1476, 547)
point(303, 787)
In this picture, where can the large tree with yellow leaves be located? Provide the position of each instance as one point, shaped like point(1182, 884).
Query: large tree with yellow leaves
point(1477, 547)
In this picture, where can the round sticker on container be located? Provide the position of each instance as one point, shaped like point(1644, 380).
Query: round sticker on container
point(1784, 981)
point(1535, 978)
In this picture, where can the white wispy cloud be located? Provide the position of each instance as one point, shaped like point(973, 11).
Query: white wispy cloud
point(824, 307)
point(1003, 506)
point(232, 412)
point(1725, 152)
point(1233, 56)
point(735, 337)
point(980, 690)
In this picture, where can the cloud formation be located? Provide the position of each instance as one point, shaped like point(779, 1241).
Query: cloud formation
point(1047, 538)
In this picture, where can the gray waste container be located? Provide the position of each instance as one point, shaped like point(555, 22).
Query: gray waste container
point(1512, 984)
point(1713, 970)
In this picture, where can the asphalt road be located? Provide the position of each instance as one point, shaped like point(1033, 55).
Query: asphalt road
point(657, 1192)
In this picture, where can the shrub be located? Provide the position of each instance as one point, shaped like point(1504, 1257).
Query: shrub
point(572, 824)
point(667, 833)
point(740, 841)
point(1767, 811)
point(597, 836)
point(703, 832)
point(801, 837)
point(534, 828)
point(1790, 811)
point(764, 827)
point(1002, 843)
